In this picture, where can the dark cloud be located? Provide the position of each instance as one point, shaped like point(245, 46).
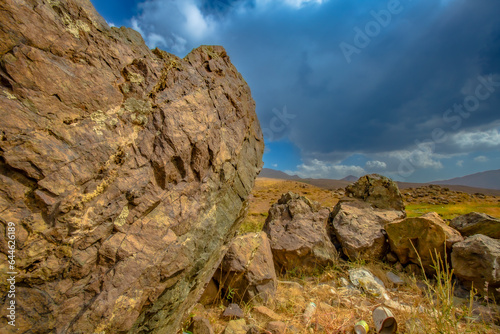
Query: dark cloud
point(394, 91)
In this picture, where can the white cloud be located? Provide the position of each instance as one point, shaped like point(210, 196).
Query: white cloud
point(481, 158)
point(460, 163)
point(292, 3)
point(275, 165)
point(322, 169)
point(419, 158)
point(196, 25)
point(468, 140)
point(375, 164)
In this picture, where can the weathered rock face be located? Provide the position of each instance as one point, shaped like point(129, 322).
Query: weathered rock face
point(477, 223)
point(378, 190)
point(124, 170)
point(425, 235)
point(296, 228)
point(248, 268)
point(476, 260)
point(360, 228)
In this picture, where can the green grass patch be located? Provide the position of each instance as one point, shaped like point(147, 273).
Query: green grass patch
point(451, 211)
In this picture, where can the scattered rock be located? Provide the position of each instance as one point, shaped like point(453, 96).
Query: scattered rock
point(378, 190)
point(252, 330)
point(201, 326)
point(236, 327)
point(424, 236)
point(129, 167)
point(477, 223)
point(371, 284)
point(276, 327)
point(394, 279)
point(296, 228)
point(360, 229)
point(248, 268)
point(264, 314)
point(233, 311)
point(476, 261)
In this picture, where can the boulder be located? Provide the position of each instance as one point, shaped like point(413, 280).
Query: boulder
point(477, 223)
point(421, 236)
point(247, 271)
point(296, 228)
point(378, 190)
point(359, 228)
point(476, 260)
point(125, 170)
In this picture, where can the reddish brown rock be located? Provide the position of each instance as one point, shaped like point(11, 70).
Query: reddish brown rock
point(124, 169)
point(475, 262)
point(422, 237)
point(359, 227)
point(297, 229)
point(378, 190)
point(247, 271)
point(477, 223)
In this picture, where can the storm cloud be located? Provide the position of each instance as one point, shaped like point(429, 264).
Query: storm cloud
point(363, 85)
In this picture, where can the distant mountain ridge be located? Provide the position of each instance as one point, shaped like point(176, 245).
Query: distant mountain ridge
point(485, 182)
point(488, 180)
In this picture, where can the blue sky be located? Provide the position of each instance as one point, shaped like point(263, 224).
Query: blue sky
point(408, 89)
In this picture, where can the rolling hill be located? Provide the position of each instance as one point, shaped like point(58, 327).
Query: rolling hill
point(489, 180)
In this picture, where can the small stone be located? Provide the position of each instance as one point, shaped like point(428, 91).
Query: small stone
point(253, 330)
point(395, 279)
point(276, 327)
point(236, 327)
point(265, 314)
point(391, 257)
point(201, 326)
point(233, 311)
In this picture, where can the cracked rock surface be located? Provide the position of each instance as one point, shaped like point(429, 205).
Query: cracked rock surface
point(125, 170)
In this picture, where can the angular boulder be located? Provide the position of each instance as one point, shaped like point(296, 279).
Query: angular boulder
point(247, 269)
point(378, 190)
point(477, 223)
point(360, 228)
point(297, 230)
point(476, 260)
point(421, 236)
point(125, 170)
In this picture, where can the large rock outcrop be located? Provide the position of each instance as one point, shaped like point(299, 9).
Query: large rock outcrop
point(125, 170)
point(297, 230)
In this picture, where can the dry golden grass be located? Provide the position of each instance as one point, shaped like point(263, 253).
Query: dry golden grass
point(339, 308)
